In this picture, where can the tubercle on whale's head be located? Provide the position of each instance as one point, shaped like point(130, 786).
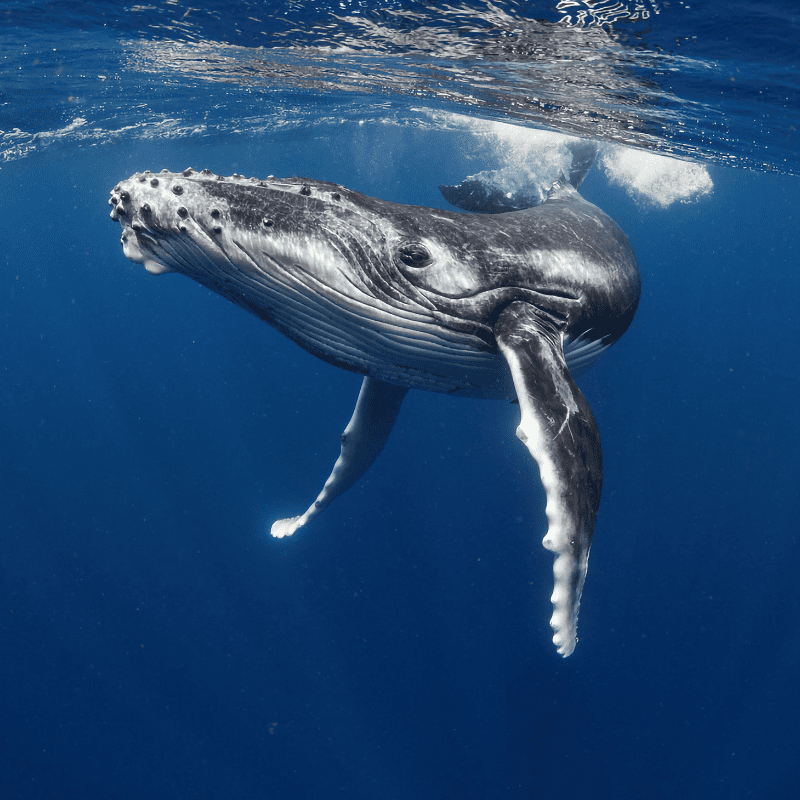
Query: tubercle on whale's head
point(154, 207)
point(158, 211)
point(172, 191)
point(142, 219)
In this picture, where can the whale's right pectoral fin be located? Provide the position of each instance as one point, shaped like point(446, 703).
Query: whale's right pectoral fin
point(560, 433)
point(376, 410)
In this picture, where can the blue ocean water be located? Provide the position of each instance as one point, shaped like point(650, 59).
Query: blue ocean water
point(157, 642)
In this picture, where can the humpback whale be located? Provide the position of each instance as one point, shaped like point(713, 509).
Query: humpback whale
point(507, 305)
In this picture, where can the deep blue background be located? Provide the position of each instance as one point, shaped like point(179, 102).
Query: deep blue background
point(157, 642)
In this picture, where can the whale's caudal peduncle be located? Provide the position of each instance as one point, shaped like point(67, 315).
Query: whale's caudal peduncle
point(502, 305)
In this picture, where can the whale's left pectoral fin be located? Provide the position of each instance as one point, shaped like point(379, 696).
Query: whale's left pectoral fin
point(560, 433)
point(376, 410)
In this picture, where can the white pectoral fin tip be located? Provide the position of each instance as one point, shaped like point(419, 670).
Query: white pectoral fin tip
point(564, 620)
point(566, 580)
point(156, 267)
point(286, 527)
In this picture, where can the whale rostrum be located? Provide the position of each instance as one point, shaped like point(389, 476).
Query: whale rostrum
point(504, 305)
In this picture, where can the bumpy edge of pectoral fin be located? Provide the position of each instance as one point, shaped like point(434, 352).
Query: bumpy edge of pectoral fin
point(560, 433)
point(376, 410)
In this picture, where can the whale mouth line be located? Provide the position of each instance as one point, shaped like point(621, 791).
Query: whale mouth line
point(143, 240)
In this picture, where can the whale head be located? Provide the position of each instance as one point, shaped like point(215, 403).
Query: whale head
point(330, 268)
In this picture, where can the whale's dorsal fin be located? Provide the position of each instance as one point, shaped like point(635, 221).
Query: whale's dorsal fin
point(515, 188)
point(584, 154)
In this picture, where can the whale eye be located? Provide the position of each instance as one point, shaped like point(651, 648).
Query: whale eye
point(413, 255)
